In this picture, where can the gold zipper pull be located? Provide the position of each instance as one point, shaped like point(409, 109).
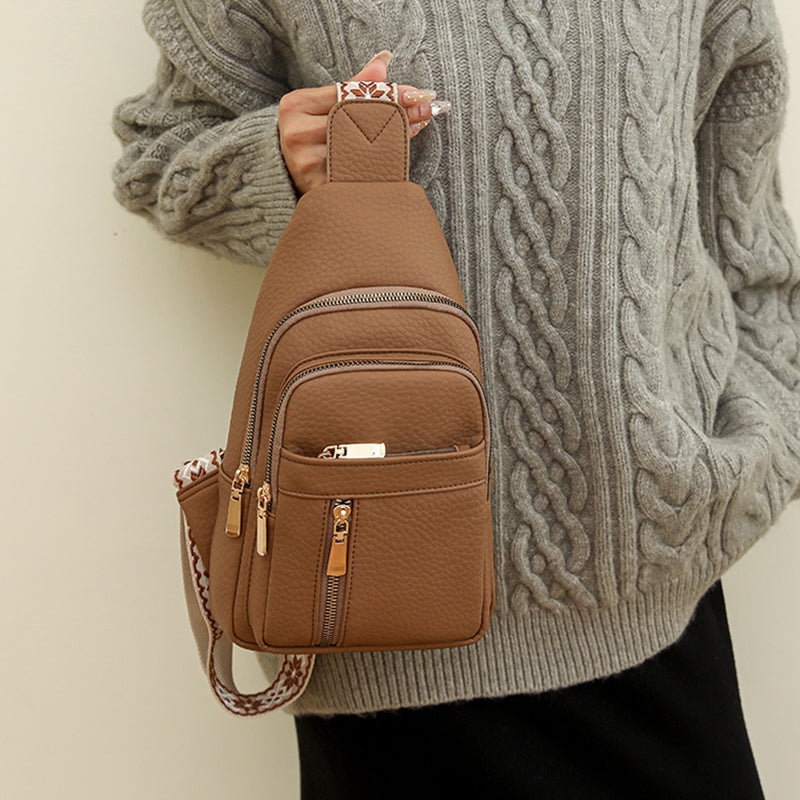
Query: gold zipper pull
point(264, 496)
point(240, 479)
point(354, 450)
point(337, 559)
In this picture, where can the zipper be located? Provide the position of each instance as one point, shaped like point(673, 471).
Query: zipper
point(233, 524)
point(375, 450)
point(268, 478)
point(336, 567)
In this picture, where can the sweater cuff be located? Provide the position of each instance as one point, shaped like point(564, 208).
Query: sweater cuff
point(268, 183)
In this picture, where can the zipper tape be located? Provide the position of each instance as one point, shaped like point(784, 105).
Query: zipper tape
point(338, 535)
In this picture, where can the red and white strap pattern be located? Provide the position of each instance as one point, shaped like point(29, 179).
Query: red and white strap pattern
point(214, 648)
point(366, 90)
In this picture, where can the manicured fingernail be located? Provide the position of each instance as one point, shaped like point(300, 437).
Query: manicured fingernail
point(440, 107)
point(418, 126)
point(384, 55)
point(418, 95)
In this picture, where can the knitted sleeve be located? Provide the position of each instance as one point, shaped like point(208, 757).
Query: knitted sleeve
point(201, 156)
point(747, 230)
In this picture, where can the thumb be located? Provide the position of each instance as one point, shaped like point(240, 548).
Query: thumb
point(375, 68)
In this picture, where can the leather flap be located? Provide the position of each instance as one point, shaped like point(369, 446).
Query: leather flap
point(368, 140)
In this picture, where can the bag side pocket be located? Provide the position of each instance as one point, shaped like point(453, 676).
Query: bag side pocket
point(199, 501)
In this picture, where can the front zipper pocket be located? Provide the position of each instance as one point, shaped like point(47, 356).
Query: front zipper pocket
point(337, 368)
point(410, 565)
point(376, 553)
point(385, 297)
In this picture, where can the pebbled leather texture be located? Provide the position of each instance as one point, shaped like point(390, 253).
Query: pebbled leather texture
point(407, 408)
point(394, 358)
point(368, 140)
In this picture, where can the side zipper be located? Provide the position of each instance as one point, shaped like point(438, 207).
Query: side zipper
point(233, 522)
point(336, 570)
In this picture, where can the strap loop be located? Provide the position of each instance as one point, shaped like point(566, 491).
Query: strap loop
point(366, 90)
point(368, 134)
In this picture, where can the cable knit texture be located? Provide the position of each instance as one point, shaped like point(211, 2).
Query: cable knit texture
point(608, 183)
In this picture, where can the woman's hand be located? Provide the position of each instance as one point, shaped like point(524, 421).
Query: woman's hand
point(302, 118)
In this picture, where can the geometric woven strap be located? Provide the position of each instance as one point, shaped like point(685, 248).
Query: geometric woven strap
point(360, 90)
point(214, 648)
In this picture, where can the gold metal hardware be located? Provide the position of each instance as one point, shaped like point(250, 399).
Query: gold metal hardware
point(354, 450)
point(337, 559)
point(241, 478)
point(264, 496)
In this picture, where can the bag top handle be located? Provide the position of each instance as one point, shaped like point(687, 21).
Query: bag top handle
point(368, 133)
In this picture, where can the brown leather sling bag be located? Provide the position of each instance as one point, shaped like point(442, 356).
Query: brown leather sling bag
point(350, 508)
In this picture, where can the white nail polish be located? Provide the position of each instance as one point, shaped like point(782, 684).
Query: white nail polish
point(419, 95)
point(440, 107)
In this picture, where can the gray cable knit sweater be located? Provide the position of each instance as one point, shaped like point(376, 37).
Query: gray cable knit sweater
point(608, 183)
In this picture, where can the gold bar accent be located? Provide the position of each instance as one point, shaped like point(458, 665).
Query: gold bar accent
point(233, 524)
point(354, 450)
point(337, 560)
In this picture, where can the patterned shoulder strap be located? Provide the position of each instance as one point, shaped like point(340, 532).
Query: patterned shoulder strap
point(214, 648)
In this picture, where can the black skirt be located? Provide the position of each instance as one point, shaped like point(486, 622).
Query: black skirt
point(671, 727)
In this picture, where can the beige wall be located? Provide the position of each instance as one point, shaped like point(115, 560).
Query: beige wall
point(120, 356)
